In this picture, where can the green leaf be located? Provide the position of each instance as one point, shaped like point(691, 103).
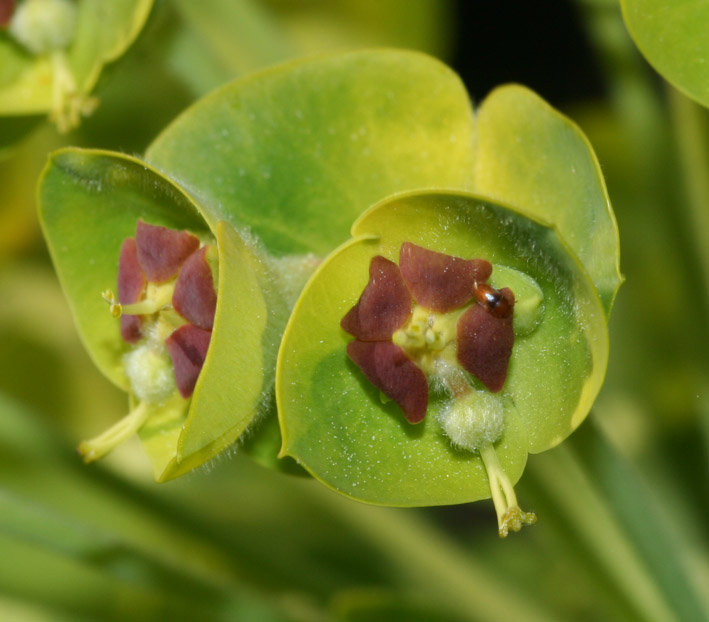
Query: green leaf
point(531, 157)
point(672, 35)
point(61, 81)
point(332, 418)
point(298, 151)
point(94, 546)
point(90, 201)
point(618, 519)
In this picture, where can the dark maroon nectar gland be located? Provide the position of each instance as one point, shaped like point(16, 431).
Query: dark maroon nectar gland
point(166, 304)
point(434, 319)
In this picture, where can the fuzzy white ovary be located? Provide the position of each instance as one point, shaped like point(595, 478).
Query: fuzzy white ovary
point(149, 370)
point(474, 420)
point(44, 26)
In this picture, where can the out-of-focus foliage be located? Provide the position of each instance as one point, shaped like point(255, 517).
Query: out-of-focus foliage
point(622, 504)
point(672, 35)
point(52, 53)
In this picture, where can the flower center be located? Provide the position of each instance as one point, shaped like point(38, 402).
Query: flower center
point(166, 303)
point(428, 338)
point(426, 332)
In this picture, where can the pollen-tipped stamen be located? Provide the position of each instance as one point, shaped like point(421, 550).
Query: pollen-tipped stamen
point(160, 299)
point(510, 517)
point(125, 428)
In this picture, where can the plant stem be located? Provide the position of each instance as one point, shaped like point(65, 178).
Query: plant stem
point(692, 134)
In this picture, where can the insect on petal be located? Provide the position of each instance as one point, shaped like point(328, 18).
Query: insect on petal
point(485, 344)
point(131, 285)
point(383, 307)
point(389, 369)
point(194, 297)
point(188, 347)
point(161, 251)
point(438, 281)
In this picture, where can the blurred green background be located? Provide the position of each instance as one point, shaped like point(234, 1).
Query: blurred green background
point(622, 505)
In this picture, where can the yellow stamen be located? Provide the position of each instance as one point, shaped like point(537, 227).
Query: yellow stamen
point(158, 298)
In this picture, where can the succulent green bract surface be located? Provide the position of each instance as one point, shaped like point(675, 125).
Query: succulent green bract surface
point(531, 157)
point(271, 169)
point(53, 51)
point(335, 422)
point(672, 35)
point(297, 152)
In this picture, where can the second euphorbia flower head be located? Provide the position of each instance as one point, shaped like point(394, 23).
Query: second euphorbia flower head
point(166, 304)
point(187, 330)
point(472, 321)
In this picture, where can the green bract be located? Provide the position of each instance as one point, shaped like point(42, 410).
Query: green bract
point(297, 152)
point(672, 35)
point(106, 193)
point(333, 420)
point(53, 51)
point(272, 168)
point(531, 157)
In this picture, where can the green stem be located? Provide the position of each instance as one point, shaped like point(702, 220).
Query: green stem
point(692, 134)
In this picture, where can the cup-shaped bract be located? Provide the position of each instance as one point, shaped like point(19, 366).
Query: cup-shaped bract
point(532, 158)
point(91, 203)
point(297, 152)
point(512, 358)
point(334, 420)
point(270, 171)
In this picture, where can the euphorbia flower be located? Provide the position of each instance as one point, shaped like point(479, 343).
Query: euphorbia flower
point(489, 375)
point(405, 326)
point(166, 304)
point(415, 321)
